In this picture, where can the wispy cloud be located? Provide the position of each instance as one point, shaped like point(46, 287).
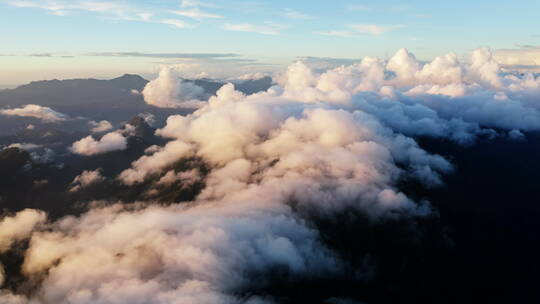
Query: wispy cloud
point(196, 13)
point(325, 63)
point(293, 14)
point(374, 29)
point(270, 29)
point(356, 29)
point(395, 8)
point(191, 3)
point(113, 10)
point(41, 55)
point(176, 23)
point(358, 7)
point(335, 33)
point(165, 55)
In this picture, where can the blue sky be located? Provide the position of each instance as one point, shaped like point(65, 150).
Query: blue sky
point(44, 39)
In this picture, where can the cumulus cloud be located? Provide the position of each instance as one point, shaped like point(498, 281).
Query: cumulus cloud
point(43, 113)
point(187, 178)
point(113, 141)
point(276, 137)
point(250, 76)
point(19, 227)
point(99, 127)
point(170, 254)
point(147, 164)
point(169, 91)
point(456, 99)
point(86, 178)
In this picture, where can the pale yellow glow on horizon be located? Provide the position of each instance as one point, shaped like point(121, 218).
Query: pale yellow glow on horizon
point(17, 70)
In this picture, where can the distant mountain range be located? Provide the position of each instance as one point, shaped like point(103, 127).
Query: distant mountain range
point(115, 100)
point(73, 91)
point(111, 92)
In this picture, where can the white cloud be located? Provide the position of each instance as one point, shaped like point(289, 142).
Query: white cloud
point(149, 164)
point(525, 58)
point(18, 227)
point(196, 14)
point(293, 14)
point(358, 7)
point(250, 76)
point(99, 127)
point(191, 3)
point(43, 113)
point(371, 29)
point(322, 141)
point(335, 33)
point(175, 23)
point(85, 179)
point(186, 178)
point(113, 141)
point(251, 28)
point(169, 91)
point(118, 10)
point(169, 254)
point(375, 29)
point(25, 146)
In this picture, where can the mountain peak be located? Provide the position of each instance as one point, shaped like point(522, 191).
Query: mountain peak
point(130, 77)
point(142, 128)
point(129, 81)
point(137, 121)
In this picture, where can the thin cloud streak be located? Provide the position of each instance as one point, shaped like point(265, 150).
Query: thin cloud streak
point(165, 55)
point(175, 23)
point(251, 28)
point(293, 14)
point(196, 13)
point(361, 29)
point(375, 29)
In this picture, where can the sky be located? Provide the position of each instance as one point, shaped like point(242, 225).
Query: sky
point(45, 39)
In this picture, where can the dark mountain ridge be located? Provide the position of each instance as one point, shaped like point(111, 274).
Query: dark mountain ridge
point(115, 91)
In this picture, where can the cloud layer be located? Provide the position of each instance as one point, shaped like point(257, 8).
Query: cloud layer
point(320, 143)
